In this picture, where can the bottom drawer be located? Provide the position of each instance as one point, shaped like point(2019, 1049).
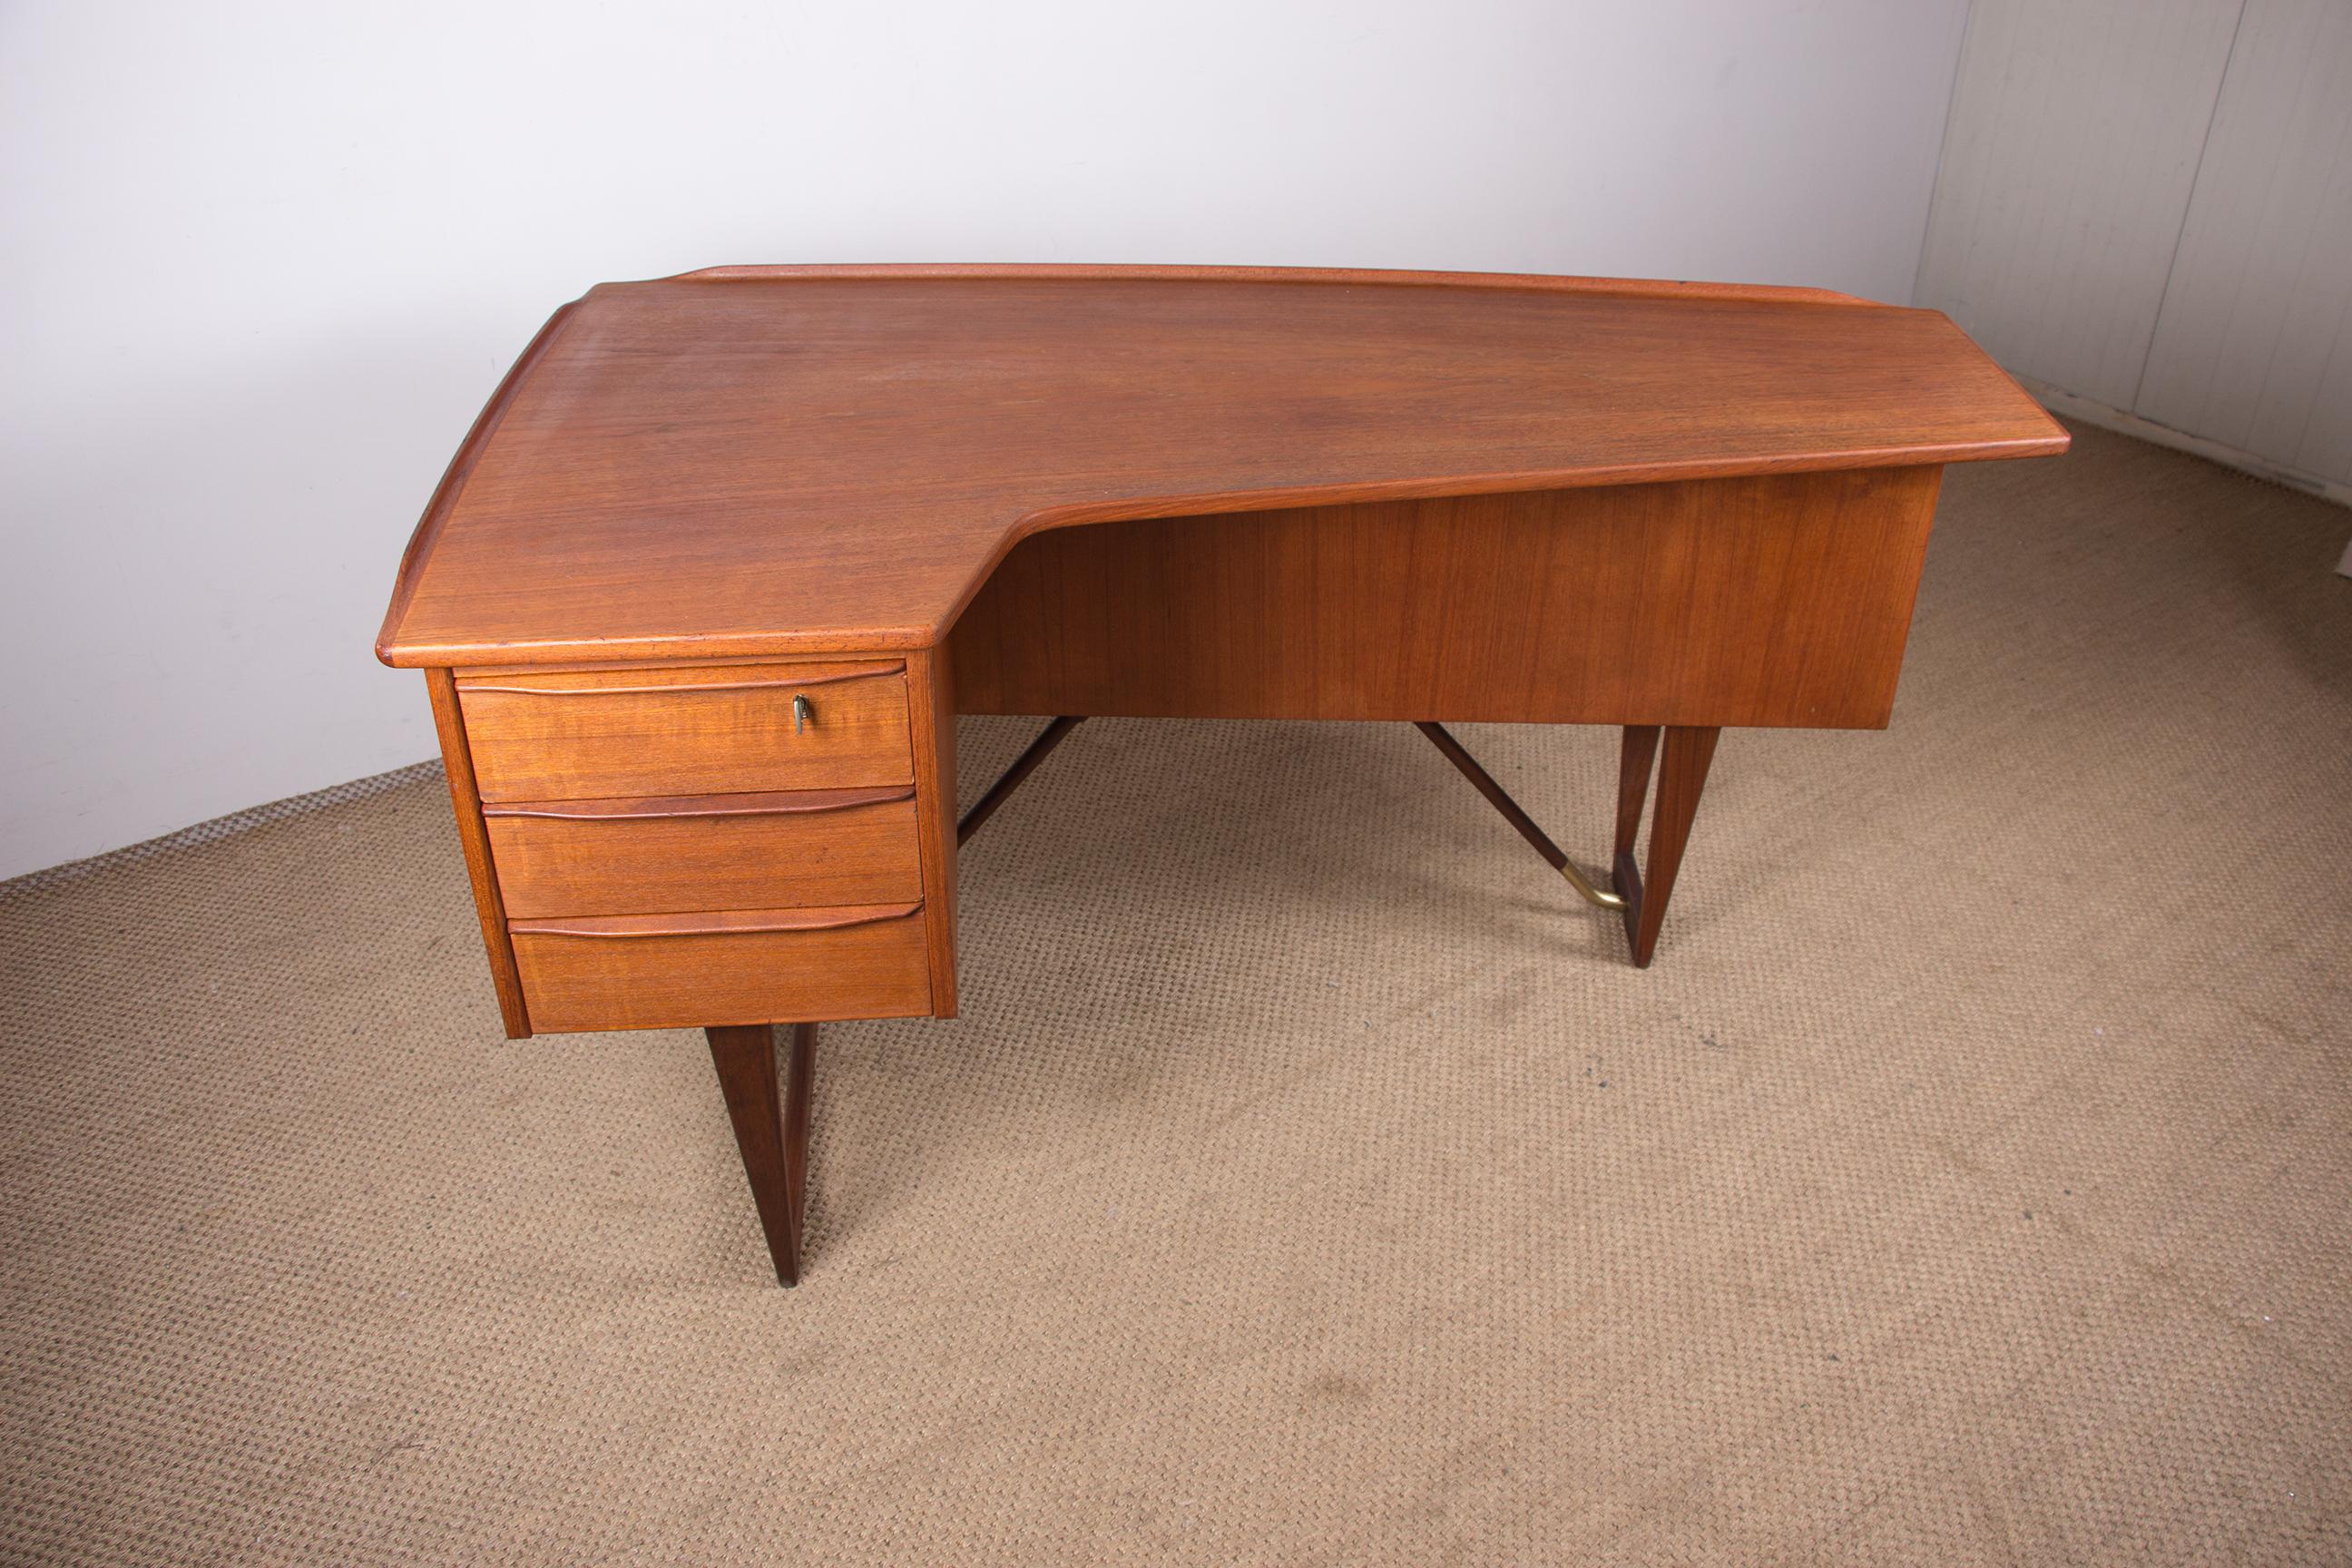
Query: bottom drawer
point(738, 966)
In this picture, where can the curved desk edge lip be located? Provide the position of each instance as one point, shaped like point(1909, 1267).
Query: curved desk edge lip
point(1363, 277)
point(388, 646)
point(392, 649)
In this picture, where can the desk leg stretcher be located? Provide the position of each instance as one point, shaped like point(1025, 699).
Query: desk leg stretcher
point(771, 1114)
point(1023, 766)
point(1688, 751)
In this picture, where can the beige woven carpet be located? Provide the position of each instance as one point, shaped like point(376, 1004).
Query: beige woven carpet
point(1309, 1180)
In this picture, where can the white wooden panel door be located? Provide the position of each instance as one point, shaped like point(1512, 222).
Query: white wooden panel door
point(2253, 344)
point(2068, 162)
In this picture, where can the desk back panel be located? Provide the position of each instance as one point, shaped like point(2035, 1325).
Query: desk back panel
point(1780, 600)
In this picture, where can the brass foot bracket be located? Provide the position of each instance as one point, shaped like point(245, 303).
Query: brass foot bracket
point(1500, 799)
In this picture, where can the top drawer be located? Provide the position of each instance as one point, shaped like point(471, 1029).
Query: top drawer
point(707, 730)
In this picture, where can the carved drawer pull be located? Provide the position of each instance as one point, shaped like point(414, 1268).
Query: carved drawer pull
point(821, 678)
point(716, 923)
point(643, 808)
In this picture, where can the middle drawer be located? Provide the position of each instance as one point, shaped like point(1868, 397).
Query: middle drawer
point(793, 849)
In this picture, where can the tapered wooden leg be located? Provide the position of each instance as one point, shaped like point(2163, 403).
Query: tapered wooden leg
point(771, 1129)
point(1633, 783)
point(1682, 774)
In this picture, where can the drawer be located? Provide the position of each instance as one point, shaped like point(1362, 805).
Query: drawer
point(740, 966)
point(790, 850)
point(709, 730)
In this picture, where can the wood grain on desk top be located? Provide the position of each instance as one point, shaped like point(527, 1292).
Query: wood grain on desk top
point(754, 461)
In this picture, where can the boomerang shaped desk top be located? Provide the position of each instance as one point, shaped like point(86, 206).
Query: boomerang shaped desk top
point(703, 591)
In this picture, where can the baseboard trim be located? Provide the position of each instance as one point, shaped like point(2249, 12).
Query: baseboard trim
point(2106, 417)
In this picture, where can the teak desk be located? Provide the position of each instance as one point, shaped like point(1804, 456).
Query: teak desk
point(705, 586)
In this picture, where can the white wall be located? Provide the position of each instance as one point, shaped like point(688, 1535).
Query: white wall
point(2146, 211)
point(2072, 154)
point(264, 262)
point(2253, 346)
